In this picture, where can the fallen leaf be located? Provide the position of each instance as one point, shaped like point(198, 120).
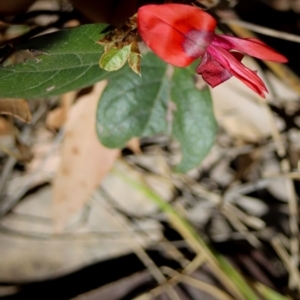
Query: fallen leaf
point(25, 153)
point(18, 108)
point(6, 127)
point(84, 161)
point(24, 259)
point(22, 153)
point(10, 144)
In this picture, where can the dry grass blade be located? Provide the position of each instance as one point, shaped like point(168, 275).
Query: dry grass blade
point(291, 175)
point(231, 212)
point(194, 264)
point(240, 227)
point(201, 285)
point(264, 30)
point(283, 254)
point(285, 74)
point(248, 220)
point(140, 252)
point(293, 206)
point(191, 267)
point(18, 108)
point(234, 283)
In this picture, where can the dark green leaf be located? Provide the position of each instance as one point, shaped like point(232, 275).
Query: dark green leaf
point(69, 60)
point(132, 105)
point(194, 125)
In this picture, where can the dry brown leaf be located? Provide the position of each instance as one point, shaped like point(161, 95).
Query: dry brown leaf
point(22, 154)
point(6, 127)
point(10, 144)
point(17, 108)
point(25, 153)
point(57, 117)
point(134, 145)
point(85, 162)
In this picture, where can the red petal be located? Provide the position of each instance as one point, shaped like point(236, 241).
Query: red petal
point(177, 33)
point(212, 71)
point(237, 69)
point(251, 47)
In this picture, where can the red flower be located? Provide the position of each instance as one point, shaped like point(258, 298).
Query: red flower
point(180, 33)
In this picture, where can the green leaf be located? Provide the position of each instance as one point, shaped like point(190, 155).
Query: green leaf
point(69, 60)
point(194, 125)
point(114, 59)
point(134, 106)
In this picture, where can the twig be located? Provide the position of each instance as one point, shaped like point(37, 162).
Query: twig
point(190, 268)
point(284, 73)
point(9, 203)
point(283, 254)
point(201, 285)
point(44, 236)
point(194, 240)
point(290, 175)
point(240, 227)
point(263, 30)
point(138, 249)
point(292, 203)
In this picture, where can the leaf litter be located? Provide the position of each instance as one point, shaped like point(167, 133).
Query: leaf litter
point(243, 209)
